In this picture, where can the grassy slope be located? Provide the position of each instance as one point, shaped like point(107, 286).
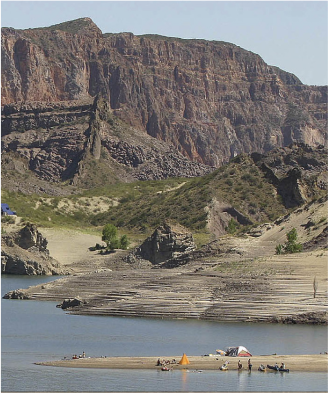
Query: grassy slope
point(145, 205)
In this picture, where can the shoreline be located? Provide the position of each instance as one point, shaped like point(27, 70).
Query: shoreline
point(298, 363)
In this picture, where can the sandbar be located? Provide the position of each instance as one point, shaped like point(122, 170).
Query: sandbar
point(300, 363)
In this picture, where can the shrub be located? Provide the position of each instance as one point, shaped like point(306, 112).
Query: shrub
point(290, 247)
point(109, 236)
point(279, 249)
point(232, 227)
point(124, 242)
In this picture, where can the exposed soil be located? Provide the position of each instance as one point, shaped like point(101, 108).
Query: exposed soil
point(232, 279)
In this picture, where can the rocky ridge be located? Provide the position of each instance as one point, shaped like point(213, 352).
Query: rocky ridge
point(84, 145)
point(208, 100)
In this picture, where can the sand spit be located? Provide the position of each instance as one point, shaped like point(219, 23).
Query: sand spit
point(311, 363)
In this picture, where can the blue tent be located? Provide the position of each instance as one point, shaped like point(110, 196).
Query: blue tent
point(6, 211)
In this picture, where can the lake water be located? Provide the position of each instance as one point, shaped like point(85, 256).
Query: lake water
point(34, 331)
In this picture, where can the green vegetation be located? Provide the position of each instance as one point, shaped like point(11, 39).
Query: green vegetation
point(8, 219)
point(291, 246)
point(141, 206)
point(110, 237)
point(232, 227)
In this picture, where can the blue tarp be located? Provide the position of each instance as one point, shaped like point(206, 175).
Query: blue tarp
point(5, 209)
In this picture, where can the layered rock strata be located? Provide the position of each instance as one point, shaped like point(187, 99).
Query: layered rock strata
point(84, 143)
point(211, 100)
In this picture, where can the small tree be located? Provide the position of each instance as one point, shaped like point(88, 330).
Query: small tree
point(290, 245)
point(124, 242)
point(232, 226)
point(109, 236)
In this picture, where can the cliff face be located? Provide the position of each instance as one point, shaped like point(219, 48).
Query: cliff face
point(25, 252)
point(210, 100)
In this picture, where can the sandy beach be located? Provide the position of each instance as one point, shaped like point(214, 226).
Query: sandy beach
point(302, 363)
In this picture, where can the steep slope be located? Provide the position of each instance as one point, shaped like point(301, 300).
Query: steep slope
point(81, 143)
point(250, 189)
point(210, 100)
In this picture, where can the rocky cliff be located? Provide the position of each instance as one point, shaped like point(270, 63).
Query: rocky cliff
point(207, 100)
point(25, 252)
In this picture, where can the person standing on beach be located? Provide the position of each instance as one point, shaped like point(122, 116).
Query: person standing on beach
point(249, 365)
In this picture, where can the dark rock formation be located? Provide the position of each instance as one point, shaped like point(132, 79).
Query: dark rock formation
point(209, 100)
point(69, 303)
point(167, 243)
point(311, 318)
point(297, 171)
point(16, 294)
point(25, 252)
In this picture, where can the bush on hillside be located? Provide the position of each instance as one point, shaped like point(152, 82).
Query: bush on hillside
point(291, 246)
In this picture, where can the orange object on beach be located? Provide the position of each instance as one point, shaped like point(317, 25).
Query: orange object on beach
point(184, 359)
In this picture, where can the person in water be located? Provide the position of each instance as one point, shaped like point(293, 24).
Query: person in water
point(249, 365)
point(240, 366)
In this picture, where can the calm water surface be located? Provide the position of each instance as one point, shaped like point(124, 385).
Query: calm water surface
point(38, 331)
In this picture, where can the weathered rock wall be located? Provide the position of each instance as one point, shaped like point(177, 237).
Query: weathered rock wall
point(167, 243)
point(84, 143)
point(211, 100)
point(25, 253)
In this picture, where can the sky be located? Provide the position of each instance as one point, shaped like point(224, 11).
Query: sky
point(292, 35)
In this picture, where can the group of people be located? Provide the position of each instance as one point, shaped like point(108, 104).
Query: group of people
point(79, 357)
point(163, 362)
point(249, 365)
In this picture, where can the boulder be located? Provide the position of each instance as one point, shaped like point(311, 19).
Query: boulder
point(69, 303)
point(29, 237)
point(16, 294)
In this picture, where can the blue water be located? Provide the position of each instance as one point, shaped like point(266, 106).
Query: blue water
point(38, 331)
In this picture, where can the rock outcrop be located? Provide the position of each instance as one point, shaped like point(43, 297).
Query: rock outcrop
point(69, 303)
point(207, 100)
point(16, 294)
point(297, 171)
point(25, 252)
point(85, 145)
point(168, 245)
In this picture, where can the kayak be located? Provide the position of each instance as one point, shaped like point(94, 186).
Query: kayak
point(277, 368)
